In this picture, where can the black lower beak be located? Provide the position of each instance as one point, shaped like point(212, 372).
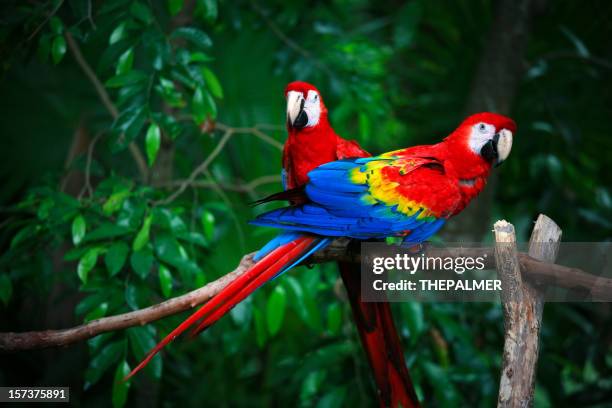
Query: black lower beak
point(489, 150)
point(301, 119)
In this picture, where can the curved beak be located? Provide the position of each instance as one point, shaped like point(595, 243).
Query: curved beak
point(497, 149)
point(296, 115)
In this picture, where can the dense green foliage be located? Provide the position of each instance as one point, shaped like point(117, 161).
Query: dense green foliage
point(91, 227)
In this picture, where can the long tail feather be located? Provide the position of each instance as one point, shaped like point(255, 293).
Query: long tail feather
point(265, 269)
point(381, 343)
point(295, 256)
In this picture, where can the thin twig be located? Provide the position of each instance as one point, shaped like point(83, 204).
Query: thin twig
point(604, 63)
point(248, 188)
point(288, 41)
point(106, 101)
point(255, 131)
point(87, 187)
point(51, 14)
point(198, 170)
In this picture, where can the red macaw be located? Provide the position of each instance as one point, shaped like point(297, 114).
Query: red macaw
point(313, 142)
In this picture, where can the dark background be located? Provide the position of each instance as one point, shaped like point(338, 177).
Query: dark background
point(393, 74)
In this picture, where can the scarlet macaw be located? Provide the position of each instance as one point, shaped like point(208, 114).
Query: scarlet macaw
point(313, 142)
point(408, 193)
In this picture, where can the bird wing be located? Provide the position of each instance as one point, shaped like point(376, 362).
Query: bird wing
point(389, 195)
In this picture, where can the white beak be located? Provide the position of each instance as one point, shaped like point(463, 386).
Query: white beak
point(504, 145)
point(295, 103)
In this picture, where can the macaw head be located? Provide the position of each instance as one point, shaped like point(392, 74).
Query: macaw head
point(487, 135)
point(305, 107)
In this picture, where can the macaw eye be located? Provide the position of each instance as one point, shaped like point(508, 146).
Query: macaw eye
point(482, 127)
point(316, 97)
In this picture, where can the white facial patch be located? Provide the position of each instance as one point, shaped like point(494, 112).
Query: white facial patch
point(481, 134)
point(312, 106)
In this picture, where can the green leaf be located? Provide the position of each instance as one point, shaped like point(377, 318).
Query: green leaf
point(142, 340)
point(275, 310)
point(121, 387)
point(196, 36)
point(211, 105)
point(141, 12)
point(114, 202)
point(198, 106)
point(193, 238)
point(6, 288)
point(208, 224)
point(98, 312)
point(24, 234)
point(334, 318)
point(130, 122)
point(142, 238)
point(115, 257)
point(118, 34)
point(199, 57)
point(152, 142)
point(142, 262)
point(57, 27)
point(212, 82)
point(243, 312)
point(210, 9)
point(445, 391)
point(165, 280)
point(87, 263)
point(79, 227)
point(260, 328)
point(167, 219)
point(131, 296)
point(107, 230)
point(175, 6)
point(170, 251)
point(58, 49)
point(89, 303)
point(414, 318)
point(125, 62)
point(98, 341)
point(128, 78)
point(102, 362)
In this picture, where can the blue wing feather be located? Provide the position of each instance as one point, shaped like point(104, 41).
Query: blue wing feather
point(337, 209)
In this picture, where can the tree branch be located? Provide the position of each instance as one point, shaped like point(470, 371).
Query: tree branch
point(531, 268)
point(523, 303)
point(106, 101)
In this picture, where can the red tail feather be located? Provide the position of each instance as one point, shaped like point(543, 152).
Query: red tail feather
point(252, 286)
point(235, 291)
point(381, 343)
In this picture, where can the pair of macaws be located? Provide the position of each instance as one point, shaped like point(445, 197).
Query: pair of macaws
point(337, 189)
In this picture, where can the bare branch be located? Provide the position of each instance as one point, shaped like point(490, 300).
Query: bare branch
point(530, 267)
point(523, 303)
point(255, 131)
point(54, 338)
point(106, 101)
